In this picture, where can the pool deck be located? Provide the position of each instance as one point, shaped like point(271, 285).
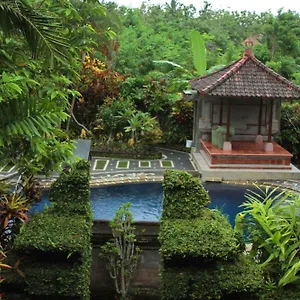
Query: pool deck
point(135, 173)
point(111, 173)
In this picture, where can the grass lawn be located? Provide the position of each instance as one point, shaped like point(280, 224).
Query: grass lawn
point(100, 164)
point(144, 164)
point(123, 164)
point(167, 163)
point(7, 168)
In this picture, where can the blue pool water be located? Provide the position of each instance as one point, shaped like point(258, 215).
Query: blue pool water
point(146, 200)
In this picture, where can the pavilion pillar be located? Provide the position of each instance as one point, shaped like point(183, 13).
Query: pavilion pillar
point(195, 103)
point(269, 145)
point(228, 122)
point(259, 138)
point(260, 116)
point(221, 113)
point(227, 144)
point(270, 122)
point(197, 133)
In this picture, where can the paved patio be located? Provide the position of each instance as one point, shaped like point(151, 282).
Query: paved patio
point(135, 171)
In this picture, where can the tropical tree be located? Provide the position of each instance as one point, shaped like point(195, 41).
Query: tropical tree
point(34, 100)
point(42, 32)
point(112, 117)
point(121, 255)
point(139, 123)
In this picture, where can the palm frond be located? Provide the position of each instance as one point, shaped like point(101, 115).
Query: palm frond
point(41, 32)
point(25, 117)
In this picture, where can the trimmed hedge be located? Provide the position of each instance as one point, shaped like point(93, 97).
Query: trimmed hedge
point(124, 150)
point(280, 294)
point(73, 187)
point(210, 237)
point(54, 233)
point(184, 196)
point(201, 256)
point(223, 278)
point(58, 279)
point(55, 245)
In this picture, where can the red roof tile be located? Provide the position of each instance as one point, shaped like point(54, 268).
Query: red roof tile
point(246, 77)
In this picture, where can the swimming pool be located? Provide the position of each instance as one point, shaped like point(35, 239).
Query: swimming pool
point(146, 200)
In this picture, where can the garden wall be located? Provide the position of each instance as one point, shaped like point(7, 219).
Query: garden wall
point(146, 281)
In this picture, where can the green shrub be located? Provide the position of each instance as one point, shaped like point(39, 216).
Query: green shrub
point(289, 136)
point(280, 294)
point(124, 150)
point(209, 237)
point(58, 279)
point(72, 187)
point(184, 196)
point(273, 228)
point(221, 279)
point(55, 245)
point(54, 233)
point(201, 255)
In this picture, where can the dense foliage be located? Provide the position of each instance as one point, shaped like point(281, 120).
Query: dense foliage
point(121, 254)
point(290, 129)
point(150, 61)
point(42, 44)
point(202, 257)
point(117, 71)
point(240, 279)
point(272, 222)
point(161, 32)
point(55, 245)
point(184, 196)
point(210, 236)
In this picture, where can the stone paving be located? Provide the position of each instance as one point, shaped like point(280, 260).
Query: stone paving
point(135, 172)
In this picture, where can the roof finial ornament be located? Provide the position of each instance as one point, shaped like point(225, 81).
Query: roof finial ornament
point(249, 42)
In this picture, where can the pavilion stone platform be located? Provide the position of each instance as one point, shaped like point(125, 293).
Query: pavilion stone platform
point(241, 172)
point(246, 154)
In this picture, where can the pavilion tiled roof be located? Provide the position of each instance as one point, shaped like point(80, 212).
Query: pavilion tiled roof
point(246, 77)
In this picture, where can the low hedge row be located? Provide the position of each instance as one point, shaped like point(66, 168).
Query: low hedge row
point(55, 245)
point(126, 151)
point(143, 155)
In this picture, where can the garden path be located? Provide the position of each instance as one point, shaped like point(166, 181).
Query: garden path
point(112, 171)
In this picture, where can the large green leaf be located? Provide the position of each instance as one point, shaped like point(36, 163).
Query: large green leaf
point(42, 33)
point(19, 118)
point(199, 52)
